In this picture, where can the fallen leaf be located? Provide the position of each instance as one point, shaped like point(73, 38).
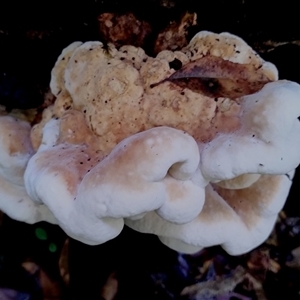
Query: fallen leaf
point(10, 294)
point(51, 287)
point(123, 29)
point(110, 288)
point(175, 36)
point(256, 285)
point(212, 288)
point(215, 77)
point(64, 263)
point(295, 261)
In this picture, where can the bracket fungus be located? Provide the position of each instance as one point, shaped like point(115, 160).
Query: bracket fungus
point(15, 151)
point(197, 146)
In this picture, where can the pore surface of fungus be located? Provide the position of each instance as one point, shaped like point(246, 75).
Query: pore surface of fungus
point(125, 143)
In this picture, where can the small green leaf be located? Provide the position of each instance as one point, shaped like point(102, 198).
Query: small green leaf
point(41, 234)
point(52, 247)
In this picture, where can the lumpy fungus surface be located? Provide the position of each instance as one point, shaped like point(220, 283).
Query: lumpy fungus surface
point(191, 145)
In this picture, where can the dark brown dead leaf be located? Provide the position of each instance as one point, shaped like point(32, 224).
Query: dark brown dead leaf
point(260, 262)
point(215, 77)
point(123, 29)
point(51, 287)
point(110, 288)
point(64, 263)
point(175, 36)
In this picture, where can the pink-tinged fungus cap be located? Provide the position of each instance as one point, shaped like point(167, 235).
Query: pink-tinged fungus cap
point(15, 152)
point(130, 141)
point(238, 220)
point(92, 195)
